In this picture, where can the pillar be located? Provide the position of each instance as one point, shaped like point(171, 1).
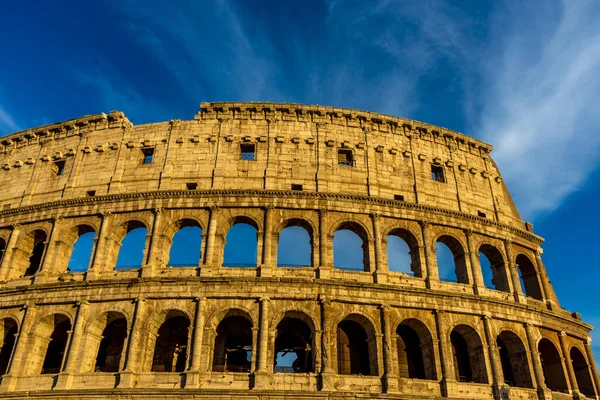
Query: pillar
point(592, 363)
point(98, 264)
point(134, 343)
point(5, 267)
point(535, 358)
point(476, 272)
point(389, 373)
point(514, 273)
point(49, 258)
point(381, 268)
point(325, 264)
point(432, 272)
point(497, 377)
point(209, 257)
point(193, 373)
point(65, 379)
point(550, 295)
point(566, 356)
point(9, 380)
point(445, 353)
point(267, 266)
point(152, 261)
point(327, 370)
point(261, 375)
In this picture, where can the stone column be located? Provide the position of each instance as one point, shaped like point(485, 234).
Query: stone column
point(193, 373)
point(476, 272)
point(65, 379)
point(497, 376)
point(267, 266)
point(260, 376)
point(15, 365)
point(381, 268)
point(209, 257)
point(99, 258)
point(8, 253)
point(445, 353)
point(514, 273)
point(566, 356)
point(432, 272)
point(131, 365)
point(327, 370)
point(47, 264)
point(592, 364)
point(150, 265)
point(535, 358)
point(325, 265)
point(389, 374)
point(551, 298)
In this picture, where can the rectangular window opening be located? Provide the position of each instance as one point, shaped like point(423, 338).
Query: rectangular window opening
point(437, 173)
point(191, 185)
point(247, 151)
point(60, 167)
point(148, 155)
point(296, 187)
point(399, 197)
point(481, 214)
point(345, 158)
point(91, 193)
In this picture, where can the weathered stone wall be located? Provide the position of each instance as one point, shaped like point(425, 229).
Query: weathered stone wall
point(294, 145)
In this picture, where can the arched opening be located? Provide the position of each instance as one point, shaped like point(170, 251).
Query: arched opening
point(81, 254)
point(293, 346)
point(582, 373)
point(350, 247)
point(529, 278)
point(467, 349)
point(356, 347)
point(493, 268)
point(38, 238)
point(8, 331)
point(513, 357)
point(111, 346)
point(451, 260)
point(57, 345)
point(552, 366)
point(186, 245)
point(295, 245)
point(170, 350)
point(403, 252)
point(2, 249)
point(416, 358)
point(133, 245)
point(233, 345)
point(241, 244)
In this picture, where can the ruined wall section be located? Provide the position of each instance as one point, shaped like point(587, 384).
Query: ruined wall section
point(392, 158)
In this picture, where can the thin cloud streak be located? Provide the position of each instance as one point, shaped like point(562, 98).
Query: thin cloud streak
point(7, 122)
point(539, 106)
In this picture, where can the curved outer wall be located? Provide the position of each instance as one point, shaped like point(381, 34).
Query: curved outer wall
point(385, 188)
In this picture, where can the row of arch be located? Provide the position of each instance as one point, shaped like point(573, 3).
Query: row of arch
point(233, 344)
point(183, 243)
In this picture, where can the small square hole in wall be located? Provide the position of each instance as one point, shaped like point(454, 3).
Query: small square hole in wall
point(345, 158)
point(399, 197)
point(59, 167)
point(6, 206)
point(437, 174)
point(148, 155)
point(248, 151)
point(296, 187)
point(191, 185)
point(481, 214)
point(91, 193)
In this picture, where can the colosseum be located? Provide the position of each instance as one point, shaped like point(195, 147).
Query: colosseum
point(213, 330)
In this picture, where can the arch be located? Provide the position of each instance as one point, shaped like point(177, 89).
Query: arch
point(241, 243)
point(400, 240)
point(186, 244)
point(529, 278)
point(80, 253)
point(295, 244)
point(416, 357)
point(294, 344)
point(492, 261)
point(233, 345)
point(8, 331)
point(2, 249)
point(346, 253)
point(132, 245)
point(513, 358)
point(171, 346)
point(582, 372)
point(48, 344)
point(356, 346)
point(457, 261)
point(113, 328)
point(468, 355)
point(554, 375)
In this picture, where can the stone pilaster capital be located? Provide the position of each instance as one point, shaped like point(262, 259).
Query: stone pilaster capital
point(15, 226)
point(539, 251)
point(508, 242)
point(199, 299)
point(562, 334)
point(158, 210)
point(588, 341)
point(376, 217)
point(486, 317)
point(324, 300)
point(424, 223)
point(106, 214)
point(268, 208)
point(468, 232)
point(323, 212)
point(385, 308)
point(140, 300)
point(264, 299)
point(57, 220)
point(438, 312)
point(214, 209)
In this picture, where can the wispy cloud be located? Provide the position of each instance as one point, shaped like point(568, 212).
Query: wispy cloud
point(7, 122)
point(540, 102)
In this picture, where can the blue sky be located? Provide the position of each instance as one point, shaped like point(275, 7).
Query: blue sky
point(522, 76)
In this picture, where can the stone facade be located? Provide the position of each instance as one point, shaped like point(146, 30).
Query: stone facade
point(212, 331)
